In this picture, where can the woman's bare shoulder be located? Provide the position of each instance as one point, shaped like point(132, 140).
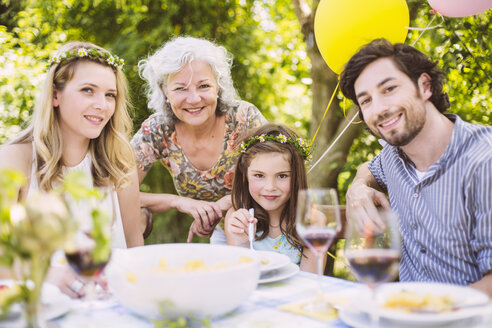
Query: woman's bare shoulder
point(17, 156)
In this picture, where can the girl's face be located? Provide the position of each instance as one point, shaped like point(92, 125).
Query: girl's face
point(192, 93)
point(269, 176)
point(87, 102)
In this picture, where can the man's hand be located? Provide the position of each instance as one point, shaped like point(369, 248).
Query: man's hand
point(362, 199)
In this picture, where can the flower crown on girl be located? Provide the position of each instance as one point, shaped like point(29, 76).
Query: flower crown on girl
point(299, 143)
point(93, 53)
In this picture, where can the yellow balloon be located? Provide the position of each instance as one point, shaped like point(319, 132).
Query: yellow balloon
point(342, 27)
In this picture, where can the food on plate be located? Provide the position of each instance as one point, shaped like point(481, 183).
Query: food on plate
point(409, 301)
point(6, 292)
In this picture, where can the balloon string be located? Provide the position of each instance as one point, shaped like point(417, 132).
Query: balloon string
point(424, 29)
point(326, 111)
point(334, 142)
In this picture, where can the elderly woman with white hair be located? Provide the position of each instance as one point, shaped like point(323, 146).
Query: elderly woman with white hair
point(197, 121)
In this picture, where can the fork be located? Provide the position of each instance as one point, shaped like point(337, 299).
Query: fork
point(251, 230)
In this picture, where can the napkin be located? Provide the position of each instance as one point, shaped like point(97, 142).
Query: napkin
point(336, 300)
point(303, 308)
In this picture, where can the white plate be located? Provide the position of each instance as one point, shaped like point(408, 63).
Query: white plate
point(270, 260)
point(354, 318)
point(279, 274)
point(356, 313)
point(460, 294)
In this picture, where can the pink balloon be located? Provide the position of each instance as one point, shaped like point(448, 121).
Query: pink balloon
point(460, 8)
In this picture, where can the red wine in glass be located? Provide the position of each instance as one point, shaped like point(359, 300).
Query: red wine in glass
point(83, 263)
point(373, 266)
point(317, 223)
point(372, 248)
point(319, 240)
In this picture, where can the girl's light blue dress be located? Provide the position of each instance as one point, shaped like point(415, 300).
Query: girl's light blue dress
point(280, 245)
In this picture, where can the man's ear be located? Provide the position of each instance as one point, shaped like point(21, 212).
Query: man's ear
point(425, 86)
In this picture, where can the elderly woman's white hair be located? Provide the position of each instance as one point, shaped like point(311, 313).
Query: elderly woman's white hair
point(172, 57)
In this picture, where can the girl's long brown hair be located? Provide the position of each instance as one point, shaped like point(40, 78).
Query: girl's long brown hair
point(241, 197)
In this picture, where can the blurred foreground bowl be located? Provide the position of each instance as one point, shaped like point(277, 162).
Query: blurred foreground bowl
point(173, 280)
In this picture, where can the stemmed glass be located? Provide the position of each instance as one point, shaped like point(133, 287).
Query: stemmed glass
point(372, 248)
point(318, 222)
point(90, 249)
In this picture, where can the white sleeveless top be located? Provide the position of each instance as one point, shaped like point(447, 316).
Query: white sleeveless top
point(110, 202)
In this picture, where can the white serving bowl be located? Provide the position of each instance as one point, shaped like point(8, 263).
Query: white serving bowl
point(142, 283)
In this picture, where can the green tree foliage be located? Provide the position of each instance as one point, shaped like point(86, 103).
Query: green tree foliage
point(276, 65)
point(262, 36)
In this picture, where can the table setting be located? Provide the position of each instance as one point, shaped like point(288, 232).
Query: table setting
point(187, 276)
point(205, 285)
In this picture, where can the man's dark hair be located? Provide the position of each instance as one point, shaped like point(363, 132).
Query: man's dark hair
point(409, 60)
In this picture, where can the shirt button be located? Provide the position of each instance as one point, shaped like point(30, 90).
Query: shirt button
point(414, 227)
point(423, 250)
point(415, 195)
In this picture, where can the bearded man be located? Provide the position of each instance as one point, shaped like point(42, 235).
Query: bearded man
point(435, 168)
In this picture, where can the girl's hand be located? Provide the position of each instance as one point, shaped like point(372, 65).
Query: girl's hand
point(236, 227)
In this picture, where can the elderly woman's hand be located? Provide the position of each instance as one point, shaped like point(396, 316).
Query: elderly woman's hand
point(225, 203)
point(204, 213)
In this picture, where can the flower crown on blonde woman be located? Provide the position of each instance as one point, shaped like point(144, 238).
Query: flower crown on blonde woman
point(299, 143)
point(93, 53)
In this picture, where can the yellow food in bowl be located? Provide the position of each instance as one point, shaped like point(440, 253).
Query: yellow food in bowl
point(197, 265)
point(408, 301)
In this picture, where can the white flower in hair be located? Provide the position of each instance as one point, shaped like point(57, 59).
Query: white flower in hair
point(82, 52)
point(262, 138)
point(110, 60)
point(282, 138)
point(54, 60)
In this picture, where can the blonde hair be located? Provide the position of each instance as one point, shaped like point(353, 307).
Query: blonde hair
point(112, 154)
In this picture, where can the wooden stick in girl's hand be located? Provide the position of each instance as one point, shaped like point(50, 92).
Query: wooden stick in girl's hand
point(251, 229)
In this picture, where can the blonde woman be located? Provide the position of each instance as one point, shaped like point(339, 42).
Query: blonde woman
point(81, 122)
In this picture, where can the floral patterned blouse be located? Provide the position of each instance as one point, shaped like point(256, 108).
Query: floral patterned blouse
point(156, 140)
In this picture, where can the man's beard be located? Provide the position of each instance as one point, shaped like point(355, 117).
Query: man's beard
point(401, 138)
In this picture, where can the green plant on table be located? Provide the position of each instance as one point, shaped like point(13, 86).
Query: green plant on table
point(31, 231)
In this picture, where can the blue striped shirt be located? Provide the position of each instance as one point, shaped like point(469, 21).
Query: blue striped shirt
point(446, 217)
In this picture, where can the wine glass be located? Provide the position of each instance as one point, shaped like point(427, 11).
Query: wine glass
point(318, 223)
point(372, 249)
point(90, 249)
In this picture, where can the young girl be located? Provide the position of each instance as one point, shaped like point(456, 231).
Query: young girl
point(269, 174)
point(81, 122)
